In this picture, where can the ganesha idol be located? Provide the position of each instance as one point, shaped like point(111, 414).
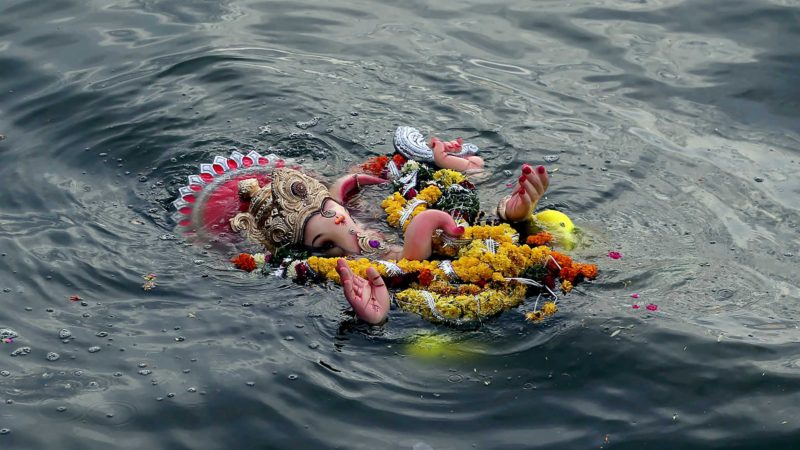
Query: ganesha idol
point(307, 230)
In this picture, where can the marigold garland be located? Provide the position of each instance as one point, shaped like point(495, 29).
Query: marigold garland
point(489, 269)
point(484, 274)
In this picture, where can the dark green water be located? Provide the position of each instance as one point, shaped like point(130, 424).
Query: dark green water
point(676, 125)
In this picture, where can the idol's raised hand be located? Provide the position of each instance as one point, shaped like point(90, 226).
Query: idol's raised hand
point(368, 296)
point(531, 186)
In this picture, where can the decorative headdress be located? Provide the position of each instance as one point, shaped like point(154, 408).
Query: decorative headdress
point(279, 211)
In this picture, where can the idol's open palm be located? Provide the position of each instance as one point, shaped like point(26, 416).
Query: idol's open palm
point(368, 296)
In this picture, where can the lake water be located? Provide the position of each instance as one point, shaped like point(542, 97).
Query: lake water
point(676, 125)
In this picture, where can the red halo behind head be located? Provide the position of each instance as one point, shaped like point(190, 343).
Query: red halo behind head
point(211, 198)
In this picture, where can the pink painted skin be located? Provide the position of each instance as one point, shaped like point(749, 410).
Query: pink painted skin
point(530, 188)
point(346, 186)
point(418, 236)
point(443, 158)
point(368, 296)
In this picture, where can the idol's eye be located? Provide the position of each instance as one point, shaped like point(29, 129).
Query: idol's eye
point(327, 245)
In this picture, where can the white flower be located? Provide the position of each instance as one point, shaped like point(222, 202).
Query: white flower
point(410, 166)
point(291, 271)
point(260, 258)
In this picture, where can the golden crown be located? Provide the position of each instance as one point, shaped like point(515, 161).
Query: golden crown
point(279, 211)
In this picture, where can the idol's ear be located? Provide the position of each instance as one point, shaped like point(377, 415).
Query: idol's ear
point(346, 186)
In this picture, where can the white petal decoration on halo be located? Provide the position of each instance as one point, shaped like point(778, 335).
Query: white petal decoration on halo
point(208, 169)
point(222, 162)
point(186, 190)
point(195, 179)
point(237, 156)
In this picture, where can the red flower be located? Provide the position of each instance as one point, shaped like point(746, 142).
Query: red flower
point(652, 307)
point(375, 165)
point(244, 261)
point(75, 298)
point(425, 277)
point(399, 161)
point(614, 255)
point(467, 184)
point(411, 193)
point(635, 306)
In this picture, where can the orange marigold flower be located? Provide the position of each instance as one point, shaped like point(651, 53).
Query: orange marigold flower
point(589, 271)
point(375, 165)
point(425, 277)
point(540, 238)
point(569, 273)
point(244, 261)
point(562, 260)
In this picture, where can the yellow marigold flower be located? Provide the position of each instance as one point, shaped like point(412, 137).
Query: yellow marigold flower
point(549, 308)
point(566, 286)
point(534, 316)
point(448, 177)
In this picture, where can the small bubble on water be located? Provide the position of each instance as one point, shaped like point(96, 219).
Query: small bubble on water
point(103, 155)
point(94, 349)
point(9, 402)
point(192, 390)
point(22, 351)
point(109, 415)
point(758, 179)
point(551, 158)
point(64, 333)
point(313, 345)
point(101, 334)
point(145, 372)
point(4, 431)
point(4, 373)
point(251, 383)
point(180, 339)
point(142, 179)
point(53, 356)
point(61, 408)
point(117, 374)
point(292, 376)
point(288, 338)
point(171, 395)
